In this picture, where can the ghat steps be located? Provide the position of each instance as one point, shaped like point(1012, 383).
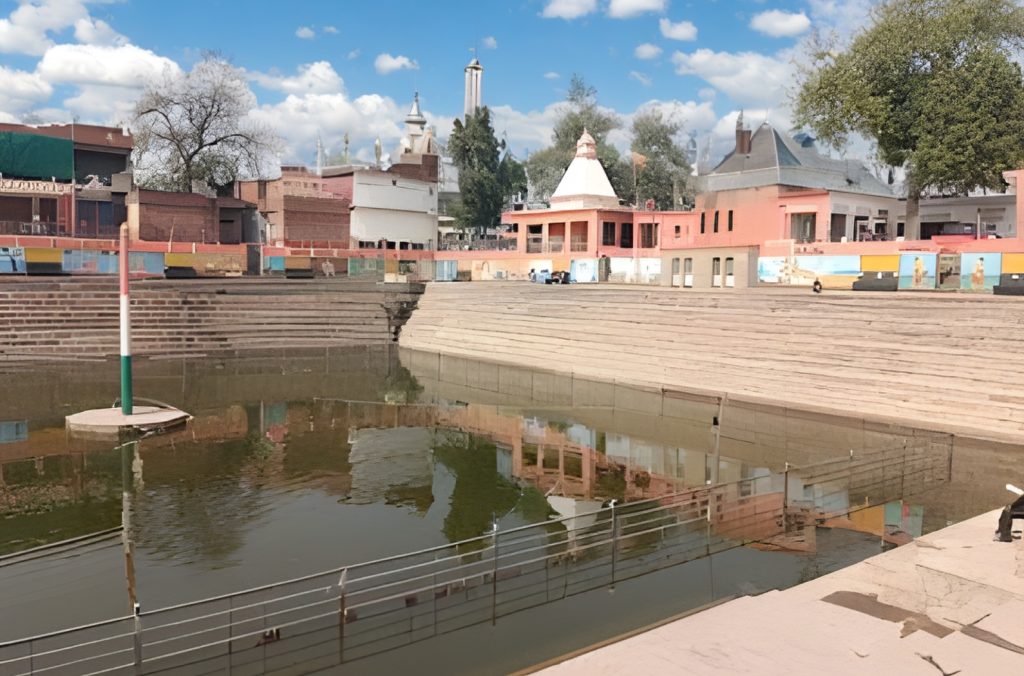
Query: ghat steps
point(947, 362)
point(79, 317)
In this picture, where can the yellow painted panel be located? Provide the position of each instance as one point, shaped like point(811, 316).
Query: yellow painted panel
point(880, 263)
point(1013, 264)
point(391, 266)
point(298, 263)
point(561, 264)
point(35, 255)
point(179, 260)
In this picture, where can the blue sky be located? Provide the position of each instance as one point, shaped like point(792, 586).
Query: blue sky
point(337, 67)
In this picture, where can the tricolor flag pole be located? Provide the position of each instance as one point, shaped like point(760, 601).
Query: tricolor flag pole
point(126, 327)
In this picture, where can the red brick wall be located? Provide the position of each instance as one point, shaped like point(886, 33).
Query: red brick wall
point(185, 217)
point(426, 170)
point(316, 219)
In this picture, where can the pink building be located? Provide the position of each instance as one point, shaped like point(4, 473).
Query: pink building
point(586, 230)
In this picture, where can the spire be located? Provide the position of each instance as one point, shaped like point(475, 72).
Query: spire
point(415, 117)
point(586, 146)
point(319, 155)
point(473, 98)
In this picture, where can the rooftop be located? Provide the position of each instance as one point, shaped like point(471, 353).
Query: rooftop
point(585, 183)
point(82, 134)
point(778, 159)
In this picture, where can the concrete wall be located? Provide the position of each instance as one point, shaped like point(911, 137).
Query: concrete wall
point(744, 268)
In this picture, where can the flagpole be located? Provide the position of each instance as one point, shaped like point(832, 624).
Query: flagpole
point(126, 327)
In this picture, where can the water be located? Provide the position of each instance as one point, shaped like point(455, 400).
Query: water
point(300, 464)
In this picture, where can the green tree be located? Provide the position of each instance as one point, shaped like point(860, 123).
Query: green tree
point(196, 127)
point(511, 177)
point(580, 112)
point(934, 84)
point(663, 171)
point(476, 153)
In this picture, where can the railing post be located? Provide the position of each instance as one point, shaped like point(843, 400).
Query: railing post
point(137, 638)
point(341, 615)
point(615, 542)
point(494, 581)
point(785, 499)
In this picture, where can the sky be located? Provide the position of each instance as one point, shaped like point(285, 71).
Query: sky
point(330, 68)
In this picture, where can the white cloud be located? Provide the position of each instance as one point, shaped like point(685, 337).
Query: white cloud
point(385, 64)
point(748, 78)
point(305, 32)
point(96, 32)
point(568, 9)
point(21, 91)
point(331, 29)
point(841, 17)
point(26, 30)
point(314, 78)
point(489, 42)
point(624, 9)
point(551, 75)
point(683, 30)
point(647, 51)
point(645, 80)
point(298, 119)
point(707, 94)
point(531, 129)
point(106, 104)
point(125, 65)
point(354, 54)
point(780, 24)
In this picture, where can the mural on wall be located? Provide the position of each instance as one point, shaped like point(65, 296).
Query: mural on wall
point(917, 271)
point(445, 271)
point(832, 271)
point(980, 271)
point(12, 261)
point(83, 262)
point(583, 270)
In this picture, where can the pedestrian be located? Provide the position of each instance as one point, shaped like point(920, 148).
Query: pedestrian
point(816, 287)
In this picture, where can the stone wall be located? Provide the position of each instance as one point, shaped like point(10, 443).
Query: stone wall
point(948, 363)
point(78, 318)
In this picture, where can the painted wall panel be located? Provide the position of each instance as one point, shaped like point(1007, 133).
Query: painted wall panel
point(12, 261)
point(979, 271)
point(1013, 263)
point(917, 271)
point(887, 263)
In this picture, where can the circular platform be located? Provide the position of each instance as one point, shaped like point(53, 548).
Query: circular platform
point(110, 422)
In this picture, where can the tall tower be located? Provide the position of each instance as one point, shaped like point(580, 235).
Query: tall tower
point(474, 75)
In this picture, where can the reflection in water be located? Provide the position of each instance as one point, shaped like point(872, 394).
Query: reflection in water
point(304, 465)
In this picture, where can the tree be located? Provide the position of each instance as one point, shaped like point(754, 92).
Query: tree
point(934, 84)
point(661, 166)
point(511, 177)
point(476, 153)
point(194, 127)
point(581, 111)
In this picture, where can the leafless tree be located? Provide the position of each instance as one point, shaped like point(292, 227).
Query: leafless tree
point(195, 127)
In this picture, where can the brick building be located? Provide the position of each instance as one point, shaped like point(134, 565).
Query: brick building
point(63, 179)
point(299, 208)
point(156, 216)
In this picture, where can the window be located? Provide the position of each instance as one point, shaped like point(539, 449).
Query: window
point(901, 229)
point(802, 227)
point(648, 236)
point(626, 236)
point(679, 229)
point(688, 272)
point(676, 277)
point(716, 272)
point(607, 234)
point(730, 220)
point(702, 214)
point(261, 190)
point(534, 238)
point(729, 279)
point(716, 221)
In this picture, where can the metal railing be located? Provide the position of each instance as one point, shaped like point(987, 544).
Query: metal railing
point(356, 611)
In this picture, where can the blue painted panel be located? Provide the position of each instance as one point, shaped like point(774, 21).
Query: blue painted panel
point(12, 261)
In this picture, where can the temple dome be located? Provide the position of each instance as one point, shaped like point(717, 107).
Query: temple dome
point(585, 183)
